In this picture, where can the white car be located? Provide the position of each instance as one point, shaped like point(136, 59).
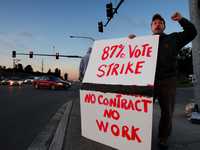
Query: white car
point(15, 82)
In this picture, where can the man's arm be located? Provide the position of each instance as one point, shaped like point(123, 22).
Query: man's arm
point(189, 31)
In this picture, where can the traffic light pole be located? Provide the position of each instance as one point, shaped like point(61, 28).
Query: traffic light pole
point(69, 56)
point(110, 14)
point(83, 37)
point(115, 11)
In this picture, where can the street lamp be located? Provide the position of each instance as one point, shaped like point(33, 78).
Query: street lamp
point(83, 37)
point(15, 62)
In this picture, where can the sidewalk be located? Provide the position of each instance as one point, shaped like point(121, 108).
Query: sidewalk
point(185, 135)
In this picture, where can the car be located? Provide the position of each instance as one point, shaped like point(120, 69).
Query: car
point(15, 81)
point(4, 82)
point(192, 78)
point(51, 82)
point(28, 80)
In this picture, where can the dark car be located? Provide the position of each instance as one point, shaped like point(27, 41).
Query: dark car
point(4, 82)
point(51, 82)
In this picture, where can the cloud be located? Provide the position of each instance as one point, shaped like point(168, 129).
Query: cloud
point(134, 22)
point(11, 41)
point(4, 44)
point(3, 34)
point(25, 34)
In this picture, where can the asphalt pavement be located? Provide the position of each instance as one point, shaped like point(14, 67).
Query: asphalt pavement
point(24, 112)
point(185, 135)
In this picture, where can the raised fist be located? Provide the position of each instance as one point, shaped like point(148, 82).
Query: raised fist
point(131, 36)
point(176, 16)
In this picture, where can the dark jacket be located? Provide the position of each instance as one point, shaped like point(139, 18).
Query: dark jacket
point(169, 46)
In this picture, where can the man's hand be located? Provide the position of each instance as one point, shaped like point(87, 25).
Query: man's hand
point(176, 16)
point(131, 36)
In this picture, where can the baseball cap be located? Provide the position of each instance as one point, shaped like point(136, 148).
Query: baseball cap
point(158, 16)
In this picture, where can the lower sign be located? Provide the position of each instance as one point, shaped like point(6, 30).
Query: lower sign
point(117, 120)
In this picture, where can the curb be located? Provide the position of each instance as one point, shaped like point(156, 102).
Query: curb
point(58, 139)
point(51, 138)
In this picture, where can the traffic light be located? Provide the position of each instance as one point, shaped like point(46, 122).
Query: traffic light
point(13, 54)
point(57, 55)
point(109, 10)
point(100, 26)
point(30, 54)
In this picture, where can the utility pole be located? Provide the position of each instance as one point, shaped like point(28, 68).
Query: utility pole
point(42, 65)
point(54, 49)
point(194, 6)
point(15, 62)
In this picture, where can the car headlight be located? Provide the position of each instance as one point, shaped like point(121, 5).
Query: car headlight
point(61, 84)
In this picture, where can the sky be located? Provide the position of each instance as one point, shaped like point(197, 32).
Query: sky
point(45, 26)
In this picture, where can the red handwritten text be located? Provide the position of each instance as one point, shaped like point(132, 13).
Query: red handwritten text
point(130, 133)
point(145, 50)
point(112, 51)
point(114, 69)
point(139, 104)
point(111, 114)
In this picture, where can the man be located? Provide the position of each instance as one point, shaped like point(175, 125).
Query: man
point(84, 63)
point(165, 79)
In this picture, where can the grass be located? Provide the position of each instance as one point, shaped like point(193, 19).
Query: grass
point(184, 83)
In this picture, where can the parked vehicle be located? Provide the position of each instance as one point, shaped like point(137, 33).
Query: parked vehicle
point(28, 80)
point(15, 82)
point(4, 82)
point(192, 78)
point(51, 82)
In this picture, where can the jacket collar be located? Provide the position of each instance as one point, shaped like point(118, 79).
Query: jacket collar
point(161, 34)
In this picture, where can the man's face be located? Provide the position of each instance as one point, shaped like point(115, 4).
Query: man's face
point(157, 26)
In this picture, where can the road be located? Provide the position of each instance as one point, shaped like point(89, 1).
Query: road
point(25, 111)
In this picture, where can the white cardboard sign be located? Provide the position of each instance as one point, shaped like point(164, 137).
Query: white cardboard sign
point(120, 121)
point(123, 61)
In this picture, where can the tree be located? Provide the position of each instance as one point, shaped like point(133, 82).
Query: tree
point(20, 68)
point(66, 76)
point(57, 72)
point(28, 69)
point(185, 66)
point(49, 71)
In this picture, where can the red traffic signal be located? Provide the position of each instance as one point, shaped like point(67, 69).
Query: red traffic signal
point(57, 55)
point(30, 54)
point(100, 26)
point(13, 54)
point(109, 10)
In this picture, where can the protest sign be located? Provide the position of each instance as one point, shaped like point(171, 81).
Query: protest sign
point(117, 119)
point(123, 61)
point(120, 121)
